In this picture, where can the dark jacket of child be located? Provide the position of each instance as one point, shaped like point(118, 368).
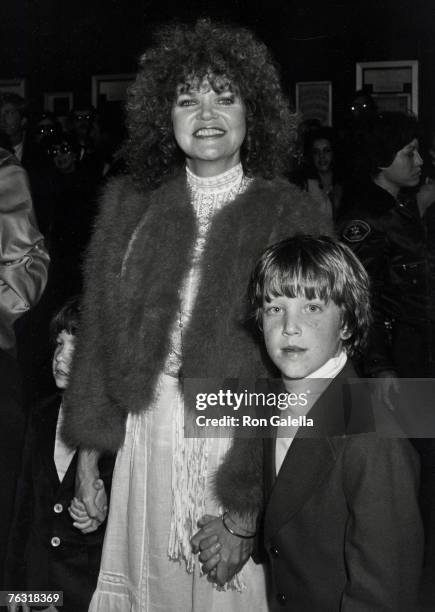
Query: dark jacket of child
point(46, 552)
point(342, 528)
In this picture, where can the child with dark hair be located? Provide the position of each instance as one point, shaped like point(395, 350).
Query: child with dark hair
point(342, 529)
point(48, 549)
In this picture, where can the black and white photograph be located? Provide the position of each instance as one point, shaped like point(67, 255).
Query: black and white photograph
point(217, 306)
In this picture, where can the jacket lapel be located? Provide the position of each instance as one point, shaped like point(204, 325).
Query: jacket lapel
point(269, 466)
point(309, 458)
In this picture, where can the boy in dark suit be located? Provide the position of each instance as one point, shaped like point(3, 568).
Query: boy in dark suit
point(47, 551)
point(342, 529)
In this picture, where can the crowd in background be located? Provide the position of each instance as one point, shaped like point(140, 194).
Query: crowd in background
point(68, 158)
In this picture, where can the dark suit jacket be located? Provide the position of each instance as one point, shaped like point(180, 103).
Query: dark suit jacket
point(342, 528)
point(46, 552)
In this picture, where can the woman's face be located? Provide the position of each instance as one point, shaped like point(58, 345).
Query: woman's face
point(210, 128)
point(322, 155)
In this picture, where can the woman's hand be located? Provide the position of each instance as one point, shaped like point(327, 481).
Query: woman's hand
point(79, 514)
point(222, 554)
point(87, 489)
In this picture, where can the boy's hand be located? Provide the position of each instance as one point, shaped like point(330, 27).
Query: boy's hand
point(222, 554)
point(82, 520)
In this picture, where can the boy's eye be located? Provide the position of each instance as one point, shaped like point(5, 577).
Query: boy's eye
point(271, 310)
point(313, 308)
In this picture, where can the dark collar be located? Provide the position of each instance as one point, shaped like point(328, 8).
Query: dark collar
point(377, 199)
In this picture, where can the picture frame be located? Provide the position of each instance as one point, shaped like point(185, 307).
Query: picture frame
point(110, 88)
point(394, 85)
point(59, 102)
point(400, 102)
point(314, 101)
point(15, 85)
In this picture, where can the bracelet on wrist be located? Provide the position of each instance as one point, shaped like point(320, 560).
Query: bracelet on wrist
point(235, 533)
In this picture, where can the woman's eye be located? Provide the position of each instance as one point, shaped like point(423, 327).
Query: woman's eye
point(226, 100)
point(186, 102)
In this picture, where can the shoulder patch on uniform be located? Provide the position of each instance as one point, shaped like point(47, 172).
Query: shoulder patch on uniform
point(356, 230)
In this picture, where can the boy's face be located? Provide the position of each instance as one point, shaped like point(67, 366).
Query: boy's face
point(301, 334)
point(62, 358)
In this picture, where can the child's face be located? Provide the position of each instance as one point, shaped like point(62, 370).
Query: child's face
point(62, 358)
point(301, 334)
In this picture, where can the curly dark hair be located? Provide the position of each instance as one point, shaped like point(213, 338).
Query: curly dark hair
point(185, 54)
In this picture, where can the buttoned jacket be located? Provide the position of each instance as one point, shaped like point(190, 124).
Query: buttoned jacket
point(46, 552)
point(342, 529)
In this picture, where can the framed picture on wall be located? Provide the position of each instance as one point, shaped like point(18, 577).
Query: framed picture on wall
point(59, 102)
point(110, 88)
point(17, 86)
point(393, 102)
point(394, 85)
point(314, 100)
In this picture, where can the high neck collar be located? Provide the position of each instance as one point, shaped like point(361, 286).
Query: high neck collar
point(225, 180)
point(331, 368)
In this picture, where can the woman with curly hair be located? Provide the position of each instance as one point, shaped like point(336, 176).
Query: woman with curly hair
point(168, 269)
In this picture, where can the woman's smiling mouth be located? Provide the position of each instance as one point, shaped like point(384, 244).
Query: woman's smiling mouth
point(208, 132)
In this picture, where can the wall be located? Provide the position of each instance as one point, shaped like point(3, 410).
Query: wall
point(58, 45)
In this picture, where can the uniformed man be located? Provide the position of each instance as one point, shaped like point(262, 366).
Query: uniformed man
point(384, 228)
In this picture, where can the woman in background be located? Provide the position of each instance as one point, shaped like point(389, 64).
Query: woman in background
point(320, 176)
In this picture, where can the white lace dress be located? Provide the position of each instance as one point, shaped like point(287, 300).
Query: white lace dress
point(161, 483)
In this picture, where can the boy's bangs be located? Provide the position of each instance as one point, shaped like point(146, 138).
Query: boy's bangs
point(308, 281)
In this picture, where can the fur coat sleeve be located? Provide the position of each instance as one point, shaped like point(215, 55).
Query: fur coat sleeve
point(89, 405)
